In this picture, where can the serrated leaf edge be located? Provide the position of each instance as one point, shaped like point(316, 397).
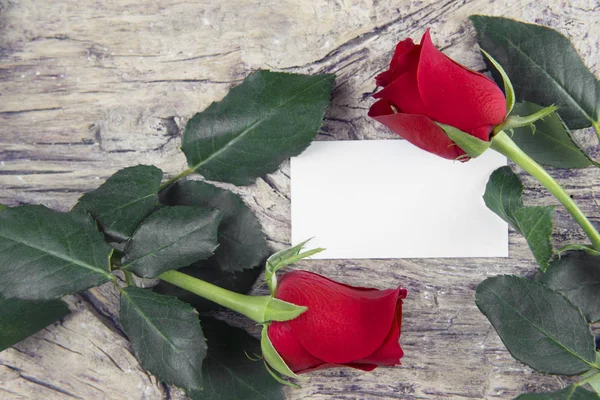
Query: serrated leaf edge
point(169, 341)
point(132, 264)
point(591, 364)
point(195, 167)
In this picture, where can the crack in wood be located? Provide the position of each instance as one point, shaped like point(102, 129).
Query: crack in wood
point(32, 172)
point(207, 81)
point(90, 385)
point(97, 309)
point(59, 345)
point(203, 56)
point(269, 181)
point(110, 358)
point(15, 112)
point(40, 382)
point(12, 393)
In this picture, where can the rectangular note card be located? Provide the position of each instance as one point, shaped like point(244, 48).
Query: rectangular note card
point(390, 199)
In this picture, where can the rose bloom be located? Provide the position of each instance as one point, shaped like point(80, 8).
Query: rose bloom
point(343, 326)
point(423, 86)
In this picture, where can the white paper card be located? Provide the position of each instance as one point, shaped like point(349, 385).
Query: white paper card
point(390, 199)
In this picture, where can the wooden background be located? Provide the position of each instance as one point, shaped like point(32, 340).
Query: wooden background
point(89, 87)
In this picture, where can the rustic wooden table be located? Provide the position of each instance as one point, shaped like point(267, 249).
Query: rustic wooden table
point(89, 87)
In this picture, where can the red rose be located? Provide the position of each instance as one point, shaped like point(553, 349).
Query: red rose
point(423, 86)
point(343, 326)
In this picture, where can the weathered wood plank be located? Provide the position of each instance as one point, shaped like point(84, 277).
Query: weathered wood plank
point(91, 87)
point(84, 356)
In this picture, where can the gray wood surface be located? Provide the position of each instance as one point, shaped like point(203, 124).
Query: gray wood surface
point(89, 87)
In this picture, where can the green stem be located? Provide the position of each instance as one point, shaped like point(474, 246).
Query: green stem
point(174, 179)
point(503, 144)
point(252, 307)
point(128, 278)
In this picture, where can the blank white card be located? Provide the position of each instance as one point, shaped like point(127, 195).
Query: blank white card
point(390, 199)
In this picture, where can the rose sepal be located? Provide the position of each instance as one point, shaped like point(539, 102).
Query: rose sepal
point(515, 121)
point(273, 361)
point(283, 258)
point(279, 310)
point(509, 91)
point(472, 146)
point(278, 378)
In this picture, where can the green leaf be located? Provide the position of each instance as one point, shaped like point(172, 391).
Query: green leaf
point(536, 223)
point(504, 196)
point(171, 238)
point(539, 326)
point(165, 335)
point(267, 119)
point(551, 144)
point(543, 66)
point(577, 276)
point(238, 281)
point(2, 207)
point(229, 373)
point(239, 259)
point(474, 147)
point(569, 393)
point(46, 254)
point(122, 202)
point(22, 318)
point(242, 243)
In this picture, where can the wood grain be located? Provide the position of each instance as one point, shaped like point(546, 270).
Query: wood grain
point(90, 87)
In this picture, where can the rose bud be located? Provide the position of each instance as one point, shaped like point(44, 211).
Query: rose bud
point(423, 87)
point(343, 326)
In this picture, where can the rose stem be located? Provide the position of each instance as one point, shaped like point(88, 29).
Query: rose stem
point(503, 144)
point(185, 173)
point(174, 179)
point(128, 278)
point(252, 307)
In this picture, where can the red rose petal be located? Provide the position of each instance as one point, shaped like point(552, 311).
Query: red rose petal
point(379, 108)
point(390, 353)
point(288, 347)
point(399, 63)
point(403, 92)
point(417, 129)
point(341, 324)
point(455, 95)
